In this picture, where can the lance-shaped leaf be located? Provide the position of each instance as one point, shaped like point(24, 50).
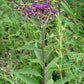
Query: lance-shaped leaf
point(27, 79)
point(36, 50)
point(50, 81)
point(26, 71)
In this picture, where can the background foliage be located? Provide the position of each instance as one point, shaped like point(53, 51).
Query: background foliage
point(20, 46)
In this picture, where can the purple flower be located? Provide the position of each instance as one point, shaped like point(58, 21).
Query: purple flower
point(44, 11)
point(37, 6)
point(36, 13)
point(55, 11)
point(24, 12)
point(43, 6)
point(33, 5)
point(28, 16)
point(30, 10)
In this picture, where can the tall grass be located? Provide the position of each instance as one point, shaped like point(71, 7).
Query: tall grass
point(20, 46)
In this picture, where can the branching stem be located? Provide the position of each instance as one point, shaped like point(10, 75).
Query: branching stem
point(43, 54)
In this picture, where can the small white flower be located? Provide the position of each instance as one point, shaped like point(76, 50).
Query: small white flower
point(52, 35)
point(63, 29)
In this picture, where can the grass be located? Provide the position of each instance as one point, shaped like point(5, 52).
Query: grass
point(20, 46)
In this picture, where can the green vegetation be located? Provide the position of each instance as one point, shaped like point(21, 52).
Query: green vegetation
point(21, 57)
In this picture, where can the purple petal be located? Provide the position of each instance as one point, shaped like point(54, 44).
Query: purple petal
point(24, 12)
point(37, 6)
point(45, 5)
point(36, 13)
point(55, 11)
point(33, 5)
point(30, 10)
point(28, 16)
point(41, 8)
point(44, 11)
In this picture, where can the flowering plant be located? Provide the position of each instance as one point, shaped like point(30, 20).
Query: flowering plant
point(38, 11)
point(41, 12)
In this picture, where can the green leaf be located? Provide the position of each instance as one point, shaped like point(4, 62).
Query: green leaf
point(50, 81)
point(27, 79)
point(9, 80)
point(39, 57)
point(36, 50)
point(51, 64)
point(67, 8)
point(26, 71)
point(65, 79)
point(29, 47)
point(47, 70)
point(48, 76)
point(52, 68)
point(35, 61)
point(48, 50)
point(72, 26)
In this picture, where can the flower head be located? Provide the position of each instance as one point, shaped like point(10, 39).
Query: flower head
point(30, 10)
point(37, 6)
point(33, 5)
point(36, 13)
point(44, 11)
point(36, 9)
point(24, 12)
point(41, 8)
point(55, 11)
point(44, 5)
point(28, 16)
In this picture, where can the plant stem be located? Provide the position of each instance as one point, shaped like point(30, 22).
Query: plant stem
point(61, 55)
point(59, 26)
point(43, 55)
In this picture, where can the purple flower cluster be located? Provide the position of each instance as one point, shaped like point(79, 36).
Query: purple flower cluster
point(40, 11)
point(55, 11)
point(35, 8)
point(44, 5)
point(34, 5)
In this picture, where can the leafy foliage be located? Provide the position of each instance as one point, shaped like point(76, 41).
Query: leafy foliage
point(21, 58)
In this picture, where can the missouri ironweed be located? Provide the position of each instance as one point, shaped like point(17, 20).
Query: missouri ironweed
point(40, 11)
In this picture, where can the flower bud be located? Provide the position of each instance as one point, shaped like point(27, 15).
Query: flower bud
point(50, 18)
point(49, 1)
point(15, 7)
point(59, 0)
point(10, 59)
point(25, 5)
point(36, 2)
point(21, 3)
point(41, 1)
point(19, 13)
point(18, 9)
point(55, 2)
point(48, 8)
point(23, 14)
point(57, 6)
point(43, 21)
point(52, 13)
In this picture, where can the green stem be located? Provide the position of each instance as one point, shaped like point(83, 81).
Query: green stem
point(61, 56)
point(43, 55)
point(60, 43)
